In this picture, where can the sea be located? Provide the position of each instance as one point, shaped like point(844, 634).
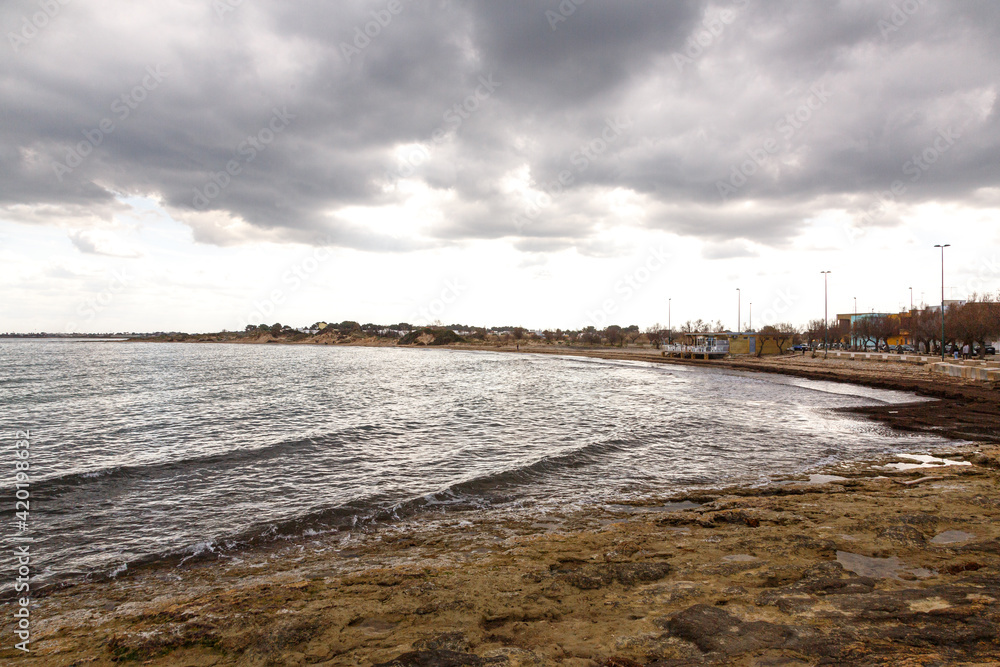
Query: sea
point(141, 452)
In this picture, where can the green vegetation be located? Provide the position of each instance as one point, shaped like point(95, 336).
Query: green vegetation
point(440, 337)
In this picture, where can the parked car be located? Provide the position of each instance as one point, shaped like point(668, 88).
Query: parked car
point(990, 349)
point(801, 347)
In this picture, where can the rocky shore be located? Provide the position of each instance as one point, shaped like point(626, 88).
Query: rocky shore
point(894, 561)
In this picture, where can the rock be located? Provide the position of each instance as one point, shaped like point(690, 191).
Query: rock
point(903, 535)
point(193, 658)
point(951, 537)
point(919, 519)
point(440, 658)
point(827, 578)
point(449, 641)
point(616, 661)
point(516, 657)
point(716, 631)
point(598, 575)
point(630, 574)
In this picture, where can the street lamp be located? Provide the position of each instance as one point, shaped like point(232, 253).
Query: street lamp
point(826, 345)
point(668, 321)
point(750, 328)
point(942, 246)
point(739, 305)
point(854, 342)
point(911, 298)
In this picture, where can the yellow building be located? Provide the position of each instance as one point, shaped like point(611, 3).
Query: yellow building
point(749, 343)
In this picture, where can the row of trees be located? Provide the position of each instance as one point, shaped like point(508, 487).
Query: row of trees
point(975, 323)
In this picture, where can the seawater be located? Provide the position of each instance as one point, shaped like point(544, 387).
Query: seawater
point(142, 451)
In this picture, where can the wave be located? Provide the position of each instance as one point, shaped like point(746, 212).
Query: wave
point(51, 487)
point(479, 492)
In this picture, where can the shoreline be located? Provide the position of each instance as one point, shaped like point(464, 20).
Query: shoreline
point(850, 567)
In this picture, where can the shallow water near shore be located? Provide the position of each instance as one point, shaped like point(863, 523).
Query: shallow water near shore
point(147, 451)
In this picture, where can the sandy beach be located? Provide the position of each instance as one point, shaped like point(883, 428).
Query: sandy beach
point(889, 561)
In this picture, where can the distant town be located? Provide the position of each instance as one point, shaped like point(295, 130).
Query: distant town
point(974, 323)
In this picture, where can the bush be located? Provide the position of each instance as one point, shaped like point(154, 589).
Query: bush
point(441, 337)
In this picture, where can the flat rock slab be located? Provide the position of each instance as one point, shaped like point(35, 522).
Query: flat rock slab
point(715, 630)
point(877, 568)
point(951, 537)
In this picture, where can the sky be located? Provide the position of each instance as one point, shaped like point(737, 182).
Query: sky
point(200, 165)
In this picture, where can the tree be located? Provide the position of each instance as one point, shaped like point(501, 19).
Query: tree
point(654, 335)
point(698, 326)
point(864, 331)
point(590, 336)
point(814, 331)
point(631, 333)
point(976, 321)
point(275, 329)
point(882, 328)
point(780, 333)
point(766, 333)
point(517, 333)
point(840, 332)
point(614, 335)
point(925, 328)
point(785, 333)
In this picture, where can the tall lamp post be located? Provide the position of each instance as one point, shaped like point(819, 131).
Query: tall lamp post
point(750, 328)
point(739, 305)
point(911, 298)
point(942, 246)
point(854, 341)
point(826, 345)
point(668, 321)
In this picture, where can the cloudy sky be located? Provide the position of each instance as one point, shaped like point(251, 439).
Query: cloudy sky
point(197, 165)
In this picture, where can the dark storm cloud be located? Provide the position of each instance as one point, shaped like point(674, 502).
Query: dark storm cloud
point(738, 120)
